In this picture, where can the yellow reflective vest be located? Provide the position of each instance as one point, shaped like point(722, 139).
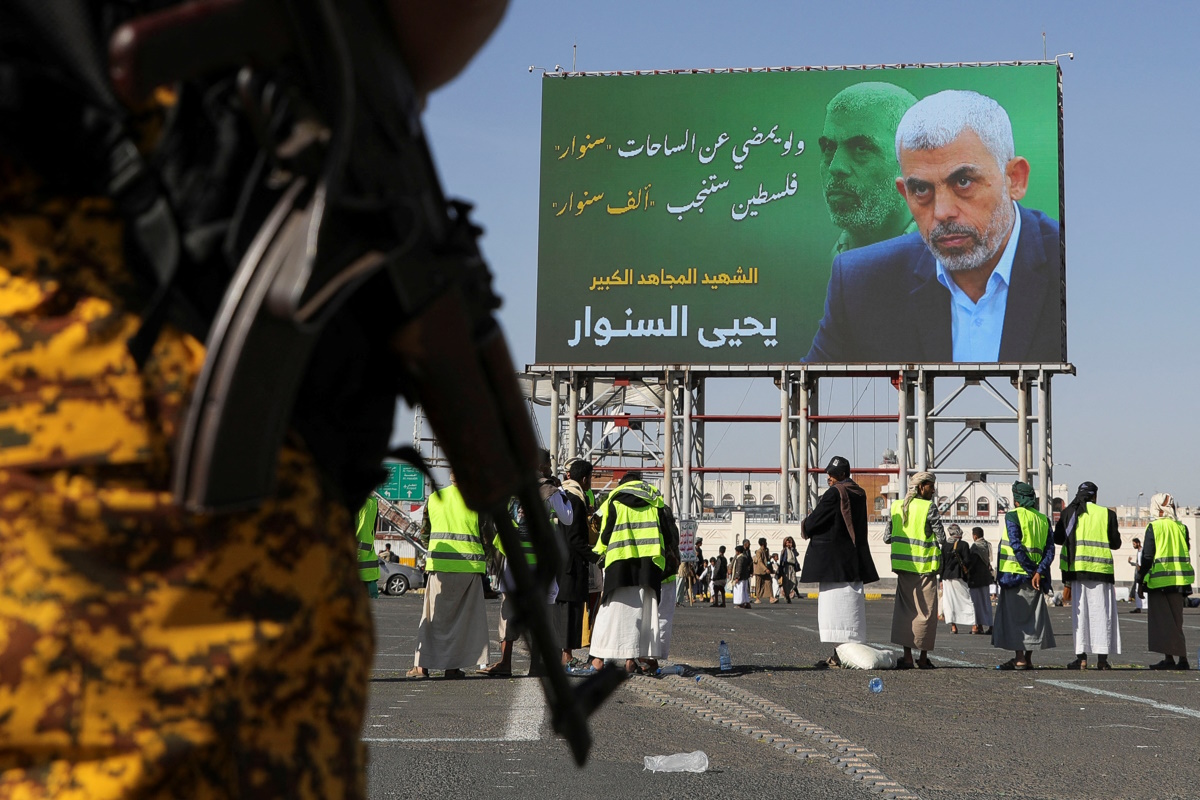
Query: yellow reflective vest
point(914, 549)
point(635, 531)
point(368, 561)
point(1091, 553)
point(1172, 560)
point(455, 544)
point(1035, 530)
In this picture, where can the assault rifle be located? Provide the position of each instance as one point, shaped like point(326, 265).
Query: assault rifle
point(352, 194)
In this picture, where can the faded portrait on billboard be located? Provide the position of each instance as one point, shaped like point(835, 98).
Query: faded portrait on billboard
point(978, 282)
point(775, 217)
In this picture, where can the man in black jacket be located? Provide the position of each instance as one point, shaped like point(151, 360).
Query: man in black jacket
point(573, 576)
point(720, 575)
point(838, 558)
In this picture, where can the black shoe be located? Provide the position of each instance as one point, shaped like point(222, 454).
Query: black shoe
point(1182, 664)
point(1136, 611)
point(1164, 664)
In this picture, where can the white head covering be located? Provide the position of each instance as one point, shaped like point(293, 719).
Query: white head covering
point(1163, 505)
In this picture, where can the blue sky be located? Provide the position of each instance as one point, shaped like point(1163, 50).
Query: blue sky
point(1130, 96)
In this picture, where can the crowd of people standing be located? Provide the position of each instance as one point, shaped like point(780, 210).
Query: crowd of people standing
point(623, 575)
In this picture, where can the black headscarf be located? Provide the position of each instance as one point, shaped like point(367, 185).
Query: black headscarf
point(1086, 494)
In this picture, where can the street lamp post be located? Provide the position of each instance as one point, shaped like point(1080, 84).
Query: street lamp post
point(1139, 507)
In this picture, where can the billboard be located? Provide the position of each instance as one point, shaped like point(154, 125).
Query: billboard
point(748, 217)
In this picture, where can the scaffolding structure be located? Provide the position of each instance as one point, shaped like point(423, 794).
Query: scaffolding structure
point(652, 418)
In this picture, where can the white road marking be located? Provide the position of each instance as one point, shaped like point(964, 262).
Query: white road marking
point(1146, 622)
point(807, 630)
point(1191, 712)
point(934, 656)
point(525, 722)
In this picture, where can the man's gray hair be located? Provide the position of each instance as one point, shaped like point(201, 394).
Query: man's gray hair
point(937, 120)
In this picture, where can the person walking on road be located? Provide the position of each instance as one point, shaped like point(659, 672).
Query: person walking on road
point(1087, 534)
point(955, 593)
point(742, 571)
point(838, 559)
point(914, 530)
point(453, 632)
point(1167, 560)
point(720, 575)
point(789, 569)
point(1026, 553)
point(1137, 592)
point(762, 573)
point(979, 581)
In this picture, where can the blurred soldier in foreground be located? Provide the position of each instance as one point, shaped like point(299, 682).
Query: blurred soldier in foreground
point(146, 650)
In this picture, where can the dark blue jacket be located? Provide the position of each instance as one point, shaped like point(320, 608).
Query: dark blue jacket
point(884, 303)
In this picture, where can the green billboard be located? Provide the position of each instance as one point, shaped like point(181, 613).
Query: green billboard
point(744, 217)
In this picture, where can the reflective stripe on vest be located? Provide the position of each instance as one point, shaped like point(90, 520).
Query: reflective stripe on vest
point(454, 541)
point(1172, 562)
point(1092, 554)
point(1035, 529)
point(635, 532)
point(368, 562)
point(913, 548)
point(526, 545)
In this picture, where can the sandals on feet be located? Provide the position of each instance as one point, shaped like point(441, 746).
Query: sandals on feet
point(902, 664)
point(495, 671)
point(1012, 664)
point(1079, 663)
point(926, 664)
point(416, 674)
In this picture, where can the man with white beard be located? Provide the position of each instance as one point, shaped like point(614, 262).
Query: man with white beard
point(981, 281)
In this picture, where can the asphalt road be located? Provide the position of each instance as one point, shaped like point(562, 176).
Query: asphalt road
point(775, 727)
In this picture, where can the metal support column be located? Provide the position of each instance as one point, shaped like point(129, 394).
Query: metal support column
point(923, 458)
point(810, 452)
point(668, 487)
point(572, 416)
point(555, 421)
point(1023, 428)
point(1043, 416)
point(902, 394)
point(798, 392)
point(686, 509)
point(784, 425)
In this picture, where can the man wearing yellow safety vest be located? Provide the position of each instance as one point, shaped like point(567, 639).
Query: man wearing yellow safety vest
point(1087, 534)
point(914, 530)
point(453, 632)
point(368, 561)
point(1023, 572)
point(632, 544)
point(1167, 574)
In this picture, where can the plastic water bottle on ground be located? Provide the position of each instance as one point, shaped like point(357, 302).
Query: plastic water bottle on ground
point(875, 685)
point(723, 655)
point(680, 762)
point(674, 669)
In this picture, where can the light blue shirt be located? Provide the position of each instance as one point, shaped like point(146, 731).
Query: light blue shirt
point(976, 328)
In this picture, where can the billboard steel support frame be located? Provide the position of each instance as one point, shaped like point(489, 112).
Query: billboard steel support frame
point(676, 448)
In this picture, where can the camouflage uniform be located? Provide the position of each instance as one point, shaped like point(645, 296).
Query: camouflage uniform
point(145, 652)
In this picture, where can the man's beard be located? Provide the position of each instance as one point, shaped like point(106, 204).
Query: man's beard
point(870, 210)
point(985, 244)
